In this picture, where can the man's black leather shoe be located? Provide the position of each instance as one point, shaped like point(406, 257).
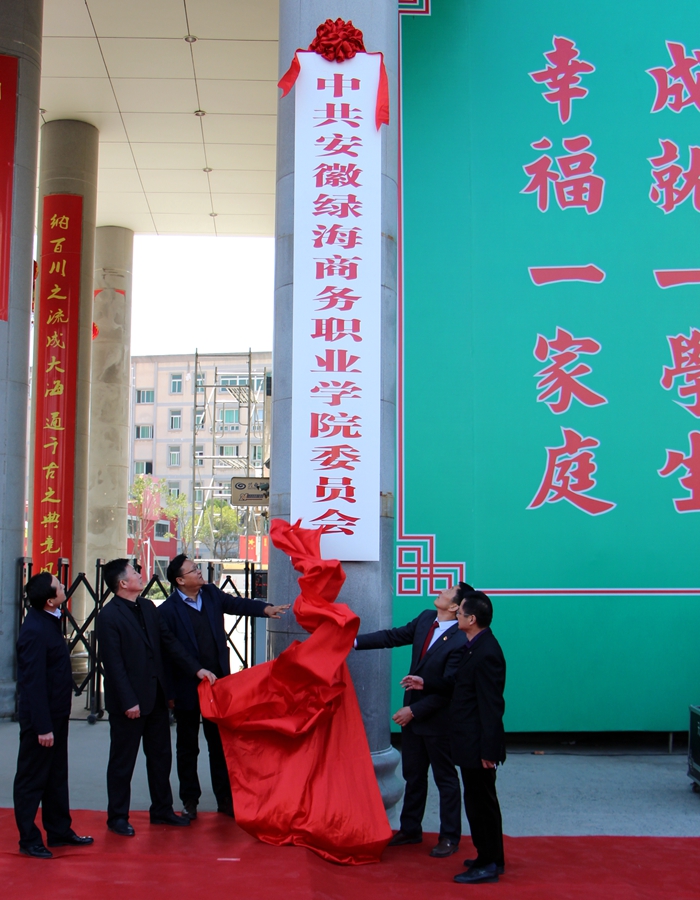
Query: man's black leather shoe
point(122, 827)
point(470, 863)
point(189, 809)
point(170, 819)
point(476, 875)
point(401, 838)
point(445, 847)
point(70, 840)
point(38, 851)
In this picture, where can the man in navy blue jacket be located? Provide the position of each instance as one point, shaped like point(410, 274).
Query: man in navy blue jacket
point(194, 612)
point(45, 686)
point(425, 743)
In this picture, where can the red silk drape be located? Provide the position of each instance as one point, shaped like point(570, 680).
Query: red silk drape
point(297, 754)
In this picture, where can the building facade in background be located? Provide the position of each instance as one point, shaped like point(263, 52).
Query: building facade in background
point(196, 422)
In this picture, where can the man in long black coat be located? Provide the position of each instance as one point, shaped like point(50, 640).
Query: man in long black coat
point(45, 686)
point(425, 743)
point(194, 612)
point(132, 638)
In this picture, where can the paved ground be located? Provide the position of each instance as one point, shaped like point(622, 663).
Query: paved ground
point(630, 788)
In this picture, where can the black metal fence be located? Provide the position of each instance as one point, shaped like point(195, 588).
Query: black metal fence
point(82, 638)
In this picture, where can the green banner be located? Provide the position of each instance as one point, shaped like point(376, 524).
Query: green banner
point(550, 351)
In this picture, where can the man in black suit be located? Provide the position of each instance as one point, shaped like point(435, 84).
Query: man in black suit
point(131, 638)
point(45, 686)
point(476, 733)
point(437, 644)
point(194, 612)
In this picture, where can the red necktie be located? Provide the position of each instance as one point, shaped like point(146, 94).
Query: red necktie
point(428, 639)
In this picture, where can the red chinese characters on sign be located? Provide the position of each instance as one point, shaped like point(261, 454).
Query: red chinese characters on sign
point(55, 379)
point(677, 86)
point(569, 475)
point(675, 459)
point(8, 120)
point(685, 355)
point(575, 184)
point(559, 381)
point(672, 184)
point(562, 75)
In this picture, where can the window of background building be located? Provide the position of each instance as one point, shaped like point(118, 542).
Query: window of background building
point(198, 454)
point(233, 380)
point(228, 449)
point(174, 489)
point(199, 495)
point(143, 432)
point(132, 526)
point(199, 417)
point(175, 419)
point(201, 381)
point(176, 383)
point(173, 456)
point(161, 567)
point(145, 396)
point(230, 416)
point(222, 489)
point(256, 452)
point(161, 530)
point(143, 467)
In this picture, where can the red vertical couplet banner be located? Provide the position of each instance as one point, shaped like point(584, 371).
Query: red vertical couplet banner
point(8, 121)
point(55, 379)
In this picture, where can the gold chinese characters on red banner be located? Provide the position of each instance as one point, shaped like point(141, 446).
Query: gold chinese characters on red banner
point(55, 379)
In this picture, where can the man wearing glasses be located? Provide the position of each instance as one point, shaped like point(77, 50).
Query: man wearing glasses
point(194, 612)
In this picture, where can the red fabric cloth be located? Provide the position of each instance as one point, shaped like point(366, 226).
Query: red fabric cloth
point(297, 754)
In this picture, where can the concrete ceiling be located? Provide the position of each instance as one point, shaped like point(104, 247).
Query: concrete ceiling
point(125, 67)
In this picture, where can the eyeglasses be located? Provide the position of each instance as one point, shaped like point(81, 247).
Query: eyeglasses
point(190, 571)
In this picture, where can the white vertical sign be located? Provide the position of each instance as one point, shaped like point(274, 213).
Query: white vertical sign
point(337, 304)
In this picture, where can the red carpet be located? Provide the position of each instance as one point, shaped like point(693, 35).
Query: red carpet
point(214, 860)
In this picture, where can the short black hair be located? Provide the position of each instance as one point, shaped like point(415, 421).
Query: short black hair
point(113, 572)
point(462, 590)
point(476, 603)
point(175, 567)
point(39, 589)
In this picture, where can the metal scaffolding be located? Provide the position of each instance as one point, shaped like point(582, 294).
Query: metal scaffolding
point(226, 405)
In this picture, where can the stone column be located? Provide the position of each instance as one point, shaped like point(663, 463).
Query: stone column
point(68, 165)
point(108, 472)
point(20, 36)
point(369, 586)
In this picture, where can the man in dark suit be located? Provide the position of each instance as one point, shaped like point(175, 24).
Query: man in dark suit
point(131, 638)
point(45, 686)
point(194, 612)
point(476, 733)
point(437, 644)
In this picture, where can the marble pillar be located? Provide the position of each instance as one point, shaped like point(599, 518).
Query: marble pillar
point(369, 586)
point(108, 471)
point(20, 36)
point(68, 165)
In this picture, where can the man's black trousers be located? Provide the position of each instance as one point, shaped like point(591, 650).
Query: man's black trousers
point(419, 753)
point(125, 737)
point(187, 751)
point(484, 815)
point(42, 777)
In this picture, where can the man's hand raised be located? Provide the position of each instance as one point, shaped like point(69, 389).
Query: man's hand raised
point(274, 612)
